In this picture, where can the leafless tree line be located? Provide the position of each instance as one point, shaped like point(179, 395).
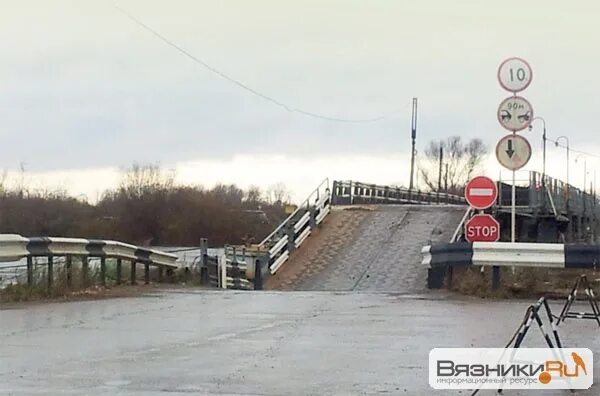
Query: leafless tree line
point(147, 208)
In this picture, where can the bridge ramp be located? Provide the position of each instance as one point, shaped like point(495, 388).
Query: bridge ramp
point(368, 248)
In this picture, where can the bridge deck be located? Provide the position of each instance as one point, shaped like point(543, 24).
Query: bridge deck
point(374, 248)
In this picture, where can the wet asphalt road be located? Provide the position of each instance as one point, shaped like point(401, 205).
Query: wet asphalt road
point(252, 343)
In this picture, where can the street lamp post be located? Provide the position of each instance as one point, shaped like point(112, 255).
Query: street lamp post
point(568, 149)
point(544, 157)
point(584, 179)
point(543, 147)
point(568, 186)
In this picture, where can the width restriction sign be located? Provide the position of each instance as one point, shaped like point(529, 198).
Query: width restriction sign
point(481, 192)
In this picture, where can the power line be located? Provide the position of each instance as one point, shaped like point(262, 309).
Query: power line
point(247, 88)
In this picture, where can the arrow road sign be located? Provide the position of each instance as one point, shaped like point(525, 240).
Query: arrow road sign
point(514, 74)
point(481, 192)
point(515, 113)
point(509, 150)
point(513, 151)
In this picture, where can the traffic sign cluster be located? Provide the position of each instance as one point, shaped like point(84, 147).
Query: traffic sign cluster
point(513, 151)
point(515, 113)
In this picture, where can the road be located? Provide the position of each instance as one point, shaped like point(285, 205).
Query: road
point(182, 342)
point(368, 248)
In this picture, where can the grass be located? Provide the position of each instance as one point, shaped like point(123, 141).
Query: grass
point(39, 289)
point(520, 282)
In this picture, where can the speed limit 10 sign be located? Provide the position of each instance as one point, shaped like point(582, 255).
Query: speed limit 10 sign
point(514, 74)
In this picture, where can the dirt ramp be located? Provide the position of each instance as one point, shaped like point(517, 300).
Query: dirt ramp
point(368, 248)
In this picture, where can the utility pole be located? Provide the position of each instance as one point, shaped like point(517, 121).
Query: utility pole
point(446, 180)
point(413, 138)
point(440, 171)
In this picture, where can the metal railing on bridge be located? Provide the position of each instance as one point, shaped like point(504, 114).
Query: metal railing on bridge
point(537, 193)
point(245, 263)
point(351, 192)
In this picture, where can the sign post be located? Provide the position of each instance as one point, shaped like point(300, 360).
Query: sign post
point(515, 113)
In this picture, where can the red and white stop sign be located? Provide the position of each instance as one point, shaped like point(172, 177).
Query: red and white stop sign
point(482, 228)
point(481, 192)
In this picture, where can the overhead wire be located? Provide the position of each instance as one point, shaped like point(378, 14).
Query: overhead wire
point(245, 86)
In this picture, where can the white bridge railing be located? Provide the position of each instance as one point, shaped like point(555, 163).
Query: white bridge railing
point(276, 247)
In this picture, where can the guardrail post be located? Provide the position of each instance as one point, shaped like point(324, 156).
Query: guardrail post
point(103, 271)
point(291, 238)
point(202, 263)
point(495, 277)
point(258, 278)
point(29, 270)
point(146, 273)
point(69, 269)
point(119, 271)
point(133, 268)
point(222, 271)
point(84, 270)
point(312, 221)
point(334, 195)
point(235, 269)
point(50, 271)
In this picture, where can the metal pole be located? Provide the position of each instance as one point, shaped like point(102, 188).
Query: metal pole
point(544, 155)
point(446, 180)
point(584, 174)
point(513, 212)
point(544, 167)
point(440, 170)
point(413, 139)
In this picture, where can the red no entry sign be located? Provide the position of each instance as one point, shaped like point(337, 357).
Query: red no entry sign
point(482, 228)
point(481, 192)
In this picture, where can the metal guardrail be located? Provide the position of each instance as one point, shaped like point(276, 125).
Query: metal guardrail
point(351, 192)
point(15, 247)
point(512, 254)
point(276, 248)
point(442, 258)
point(297, 227)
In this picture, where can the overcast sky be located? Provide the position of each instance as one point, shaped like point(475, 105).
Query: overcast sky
point(85, 91)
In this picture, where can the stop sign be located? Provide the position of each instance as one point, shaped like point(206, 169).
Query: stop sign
point(481, 192)
point(482, 228)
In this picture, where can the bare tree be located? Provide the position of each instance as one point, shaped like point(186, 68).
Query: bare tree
point(278, 193)
point(139, 180)
point(253, 195)
point(458, 162)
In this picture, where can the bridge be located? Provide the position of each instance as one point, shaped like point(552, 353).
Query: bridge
point(344, 276)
